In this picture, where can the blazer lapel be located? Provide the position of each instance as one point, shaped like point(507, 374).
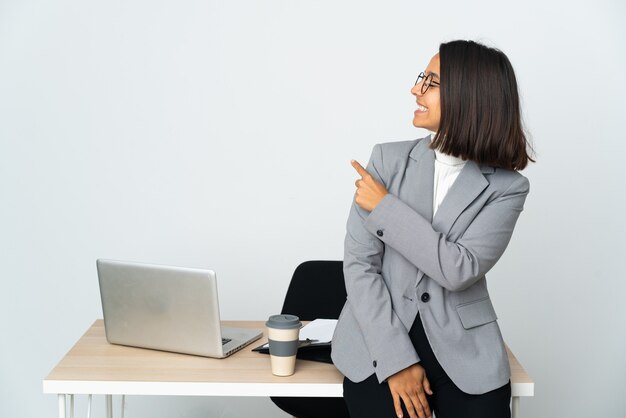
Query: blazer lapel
point(419, 175)
point(468, 185)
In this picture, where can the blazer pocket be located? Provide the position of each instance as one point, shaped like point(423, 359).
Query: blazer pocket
point(476, 313)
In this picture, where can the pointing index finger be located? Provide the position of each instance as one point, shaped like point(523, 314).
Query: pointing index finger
point(359, 168)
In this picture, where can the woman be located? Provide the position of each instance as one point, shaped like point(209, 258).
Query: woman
point(418, 332)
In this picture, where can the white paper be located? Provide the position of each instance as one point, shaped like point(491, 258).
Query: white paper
point(319, 330)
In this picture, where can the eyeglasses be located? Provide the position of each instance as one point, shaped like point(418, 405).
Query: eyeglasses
point(427, 81)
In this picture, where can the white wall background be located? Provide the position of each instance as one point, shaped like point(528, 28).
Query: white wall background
point(218, 134)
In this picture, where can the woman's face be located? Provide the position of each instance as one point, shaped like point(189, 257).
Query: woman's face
point(428, 113)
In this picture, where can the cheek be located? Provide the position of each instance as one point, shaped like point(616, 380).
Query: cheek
point(438, 112)
point(434, 106)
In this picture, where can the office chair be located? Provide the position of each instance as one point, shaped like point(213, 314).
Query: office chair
point(317, 290)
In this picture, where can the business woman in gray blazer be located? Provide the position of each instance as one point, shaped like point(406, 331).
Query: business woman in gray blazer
point(418, 332)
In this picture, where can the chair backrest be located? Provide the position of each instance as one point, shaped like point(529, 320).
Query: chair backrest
point(317, 290)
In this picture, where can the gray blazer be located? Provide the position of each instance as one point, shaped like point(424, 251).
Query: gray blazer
point(399, 260)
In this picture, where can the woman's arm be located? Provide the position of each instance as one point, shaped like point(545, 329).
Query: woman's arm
point(389, 344)
point(454, 265)
point(386, 337)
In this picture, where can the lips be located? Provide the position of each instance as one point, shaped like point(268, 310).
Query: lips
point(421, 108)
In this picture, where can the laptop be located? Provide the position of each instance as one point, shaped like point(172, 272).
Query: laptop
point(166, 308)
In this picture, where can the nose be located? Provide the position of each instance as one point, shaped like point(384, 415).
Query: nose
point(416, 90)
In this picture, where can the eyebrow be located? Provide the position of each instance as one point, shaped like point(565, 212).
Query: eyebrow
point(435, 74)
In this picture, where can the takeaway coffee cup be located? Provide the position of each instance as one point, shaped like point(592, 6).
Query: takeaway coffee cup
point(283, 332)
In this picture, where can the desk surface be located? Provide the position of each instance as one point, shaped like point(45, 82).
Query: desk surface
point(93, 366)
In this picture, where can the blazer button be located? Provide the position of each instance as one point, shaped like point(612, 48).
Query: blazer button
point(379, 232)
point(374, 363)
point(425, 297)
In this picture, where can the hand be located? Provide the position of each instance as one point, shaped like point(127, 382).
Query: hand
point(411, 385)
point(369, 192)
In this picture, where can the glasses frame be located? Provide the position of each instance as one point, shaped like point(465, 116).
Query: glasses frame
point(428, 81)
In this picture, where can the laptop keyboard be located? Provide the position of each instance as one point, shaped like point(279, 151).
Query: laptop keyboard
point(226, 341)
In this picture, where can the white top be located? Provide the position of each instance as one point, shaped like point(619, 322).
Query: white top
point(447, 169)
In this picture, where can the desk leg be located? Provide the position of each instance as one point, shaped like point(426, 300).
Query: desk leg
point(109, 403)
point(61, 406)
point(515, 407)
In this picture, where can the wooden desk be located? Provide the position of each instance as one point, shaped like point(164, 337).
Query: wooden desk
point(93, 366)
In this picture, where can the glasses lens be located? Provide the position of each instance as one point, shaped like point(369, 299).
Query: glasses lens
point(426, 83)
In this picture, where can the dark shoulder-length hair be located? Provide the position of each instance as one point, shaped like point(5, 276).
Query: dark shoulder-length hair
point(480, 110)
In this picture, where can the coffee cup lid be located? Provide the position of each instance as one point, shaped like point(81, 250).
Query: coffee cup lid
point(283, 322)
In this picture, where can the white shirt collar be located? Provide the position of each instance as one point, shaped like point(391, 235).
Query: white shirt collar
point(446, 158)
